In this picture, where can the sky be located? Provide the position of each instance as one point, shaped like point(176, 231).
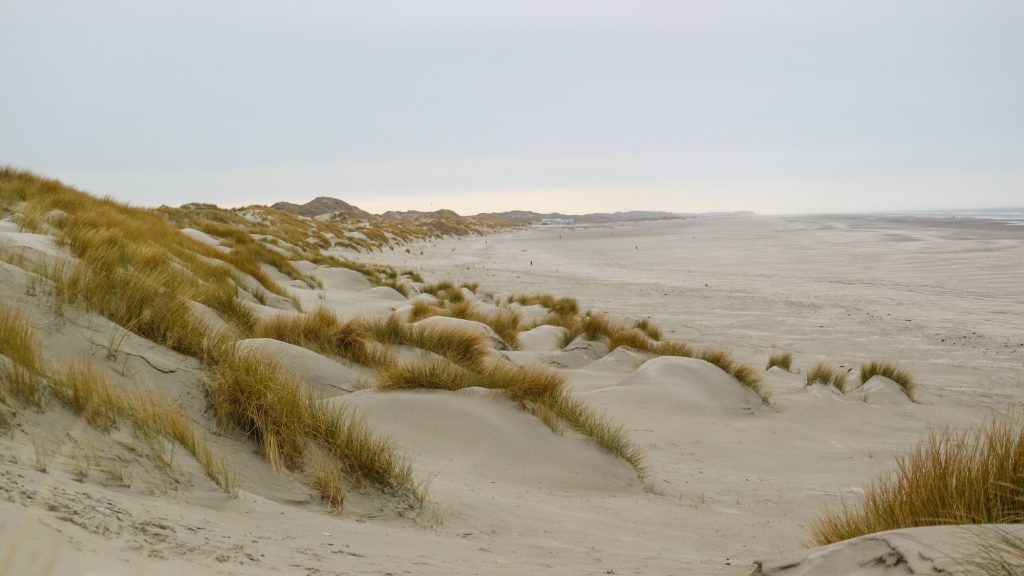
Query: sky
point(557, 105)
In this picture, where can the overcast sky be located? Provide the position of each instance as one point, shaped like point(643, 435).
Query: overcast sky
point(571, 105)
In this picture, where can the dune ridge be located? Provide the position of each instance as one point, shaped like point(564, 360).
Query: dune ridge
point(274, 374)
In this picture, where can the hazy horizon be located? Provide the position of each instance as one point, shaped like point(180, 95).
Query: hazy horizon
point(568, 106)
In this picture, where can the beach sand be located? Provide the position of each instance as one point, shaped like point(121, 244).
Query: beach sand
point(731, 481)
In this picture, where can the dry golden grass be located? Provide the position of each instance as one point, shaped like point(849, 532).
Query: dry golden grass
point(610, 436)
point(559, 306)
point(442, 289)
point(897, 375)
point(649, 328)
point(629, 337)
point(596, 325)
point(145, 303)
point(401, 286)
point(322, 331)
point(160, 416)
point(996, 552)
point(413, 275)
point(456, 343)
point(672, 348)
point(86, 392)
point(363, 456)
point(744, 374)
point(248, 390)
point(971, 477)
point(436, 374)
point(539, 390)
point(326, 476)
point(20, 374)
point(570, 334)
point(135, 267)
point(423, 309)
point(83, 390)
point(782, 360)
point(505, 323)
point(828, 375)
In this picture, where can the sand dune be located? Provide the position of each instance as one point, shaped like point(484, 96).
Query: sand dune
point(731, 481)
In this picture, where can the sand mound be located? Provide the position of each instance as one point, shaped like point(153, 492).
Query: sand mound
point(478, 327)
point(532, 313)
point(428, 298)
point(930, 550)
point(543, 338)
point(477, 433)
point(622, 360)
point(689, 385)
point(201, 236)
point(386, 293)
point(881, 390)
point(35, 248)
point(824, 391)
point(326, 376)
point(343, 279)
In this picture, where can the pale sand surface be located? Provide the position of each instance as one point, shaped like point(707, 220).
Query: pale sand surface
point(943, 297)
point(732, 481)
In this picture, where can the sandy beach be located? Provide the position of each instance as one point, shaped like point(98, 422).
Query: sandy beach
point(731, 481)
point(941, 296)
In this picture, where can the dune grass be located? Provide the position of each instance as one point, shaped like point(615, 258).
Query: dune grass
point(398, 284)
point(783, 360)
point(996, 552)
point(649, 328)
point(505, 323)
point(537, 389)
point(413, 275)
point(20, 373)
point(596, 325)
point(570, 334)
point(82, 389)
point(327, 478)
point(136, 268)
point(322, 331)
point(559, 306)
point(968, 477)
point(823, 373)
point(423, 309)
point(672, 348)
point(887, 370)
point(249, 391)
point(156, 415)
point(144, 302)
point(456, 343)
point(630, 337)
point(610, 436)
point(445, 290)
point(743, 373)
point(364, 457)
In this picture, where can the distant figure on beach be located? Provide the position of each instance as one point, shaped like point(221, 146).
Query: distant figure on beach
point(531, 262)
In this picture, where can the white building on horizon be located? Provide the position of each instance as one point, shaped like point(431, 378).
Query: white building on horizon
point(557, 222)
